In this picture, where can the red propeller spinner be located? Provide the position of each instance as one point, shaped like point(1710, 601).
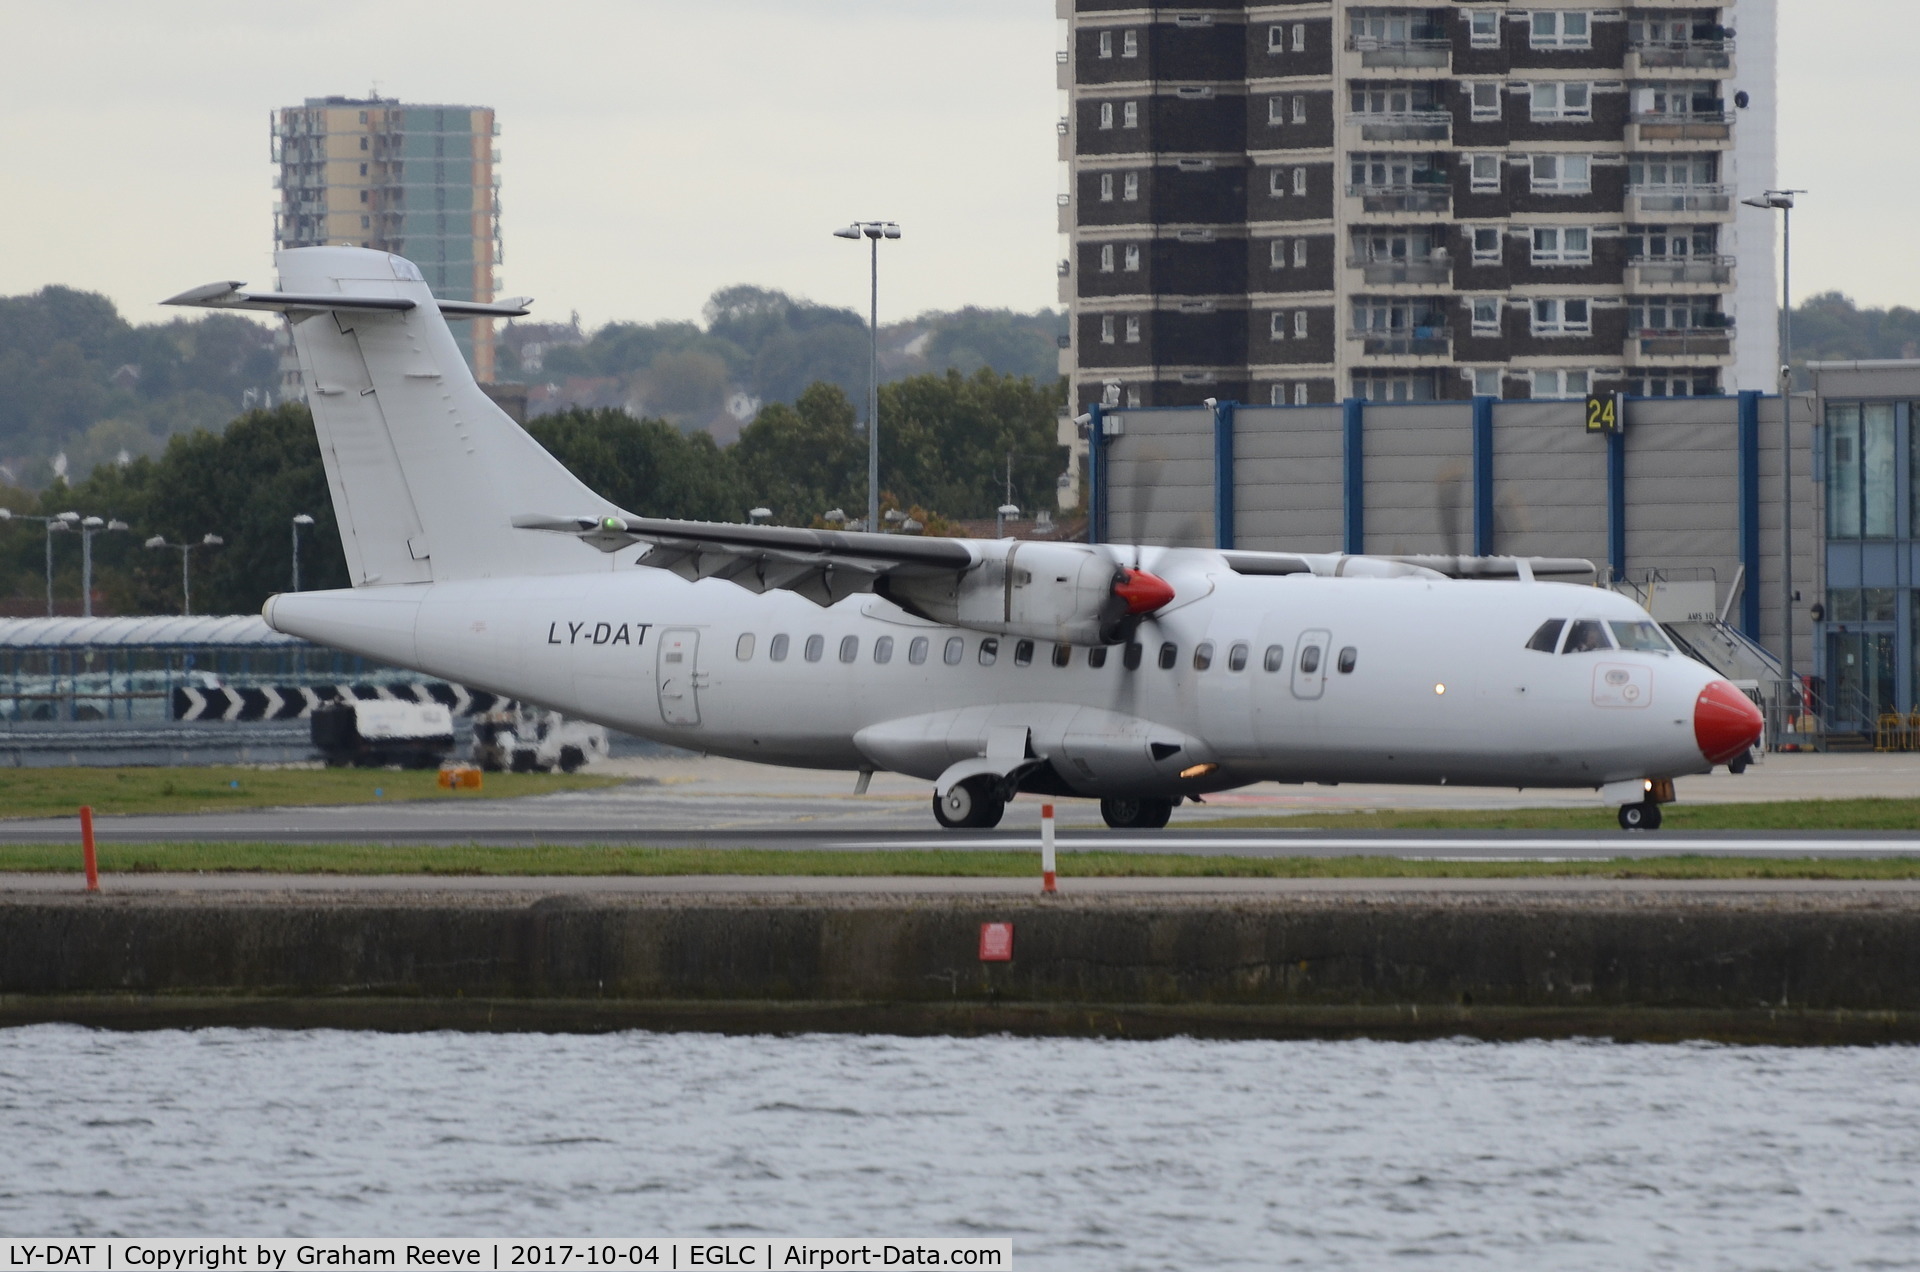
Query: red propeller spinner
point(1144, 593)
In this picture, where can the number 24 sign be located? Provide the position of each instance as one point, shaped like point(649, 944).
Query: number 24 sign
point(1603, 413)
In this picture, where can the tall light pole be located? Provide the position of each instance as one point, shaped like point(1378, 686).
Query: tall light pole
point(873, 231)
point(186, 556)
point(90, 526)
point(299, 519)
point(57, 522)
point(1782, 202)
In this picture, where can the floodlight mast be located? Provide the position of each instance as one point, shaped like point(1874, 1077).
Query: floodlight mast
point(873, 231)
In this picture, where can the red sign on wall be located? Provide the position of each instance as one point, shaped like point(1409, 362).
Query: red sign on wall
point(996, 942)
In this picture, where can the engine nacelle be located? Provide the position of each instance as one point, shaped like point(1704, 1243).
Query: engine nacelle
point(1062, 592)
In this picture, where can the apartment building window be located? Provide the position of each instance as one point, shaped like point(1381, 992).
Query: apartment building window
point(1106, 44)
point(1277, 254)
point(1562, 29)
point(1486, 382)
point(1106, 329)
point(1379, 386)
point(1276, 39)
point(1562, 174)
point(1130, 115)
point(1486, 244)
point(1299, 253)
point(1486, 315)
point(363, 116)
point(363, 143)
point(1299, 37)
point(1483, 171)
point(1673, 313)
point(1299, 180)
point(1133, 397)
point(1672, 172)
point(1299, 324)
point(1277, 183)
point(1562, 245)
point(1277, 395)
point(1680, 384)
point(1683, 99)
point(1483, 28)
point(1671, 242)
point(1106, 187)
point(1555, 316)
point(364, 196)
point(1130, 187)
point(1561, 384)
point(1299, 109)
point(1278, 324)
point(1106, 114)
point(1133, 330)
point(363, 169)
point(1300, 393)
point(1132, 258)
point(366, 222)
point(1484, 97)
point(1129, 44)
point(1394, 245)
point(1556, 100)
point(1276, 111)
point(1106, 258)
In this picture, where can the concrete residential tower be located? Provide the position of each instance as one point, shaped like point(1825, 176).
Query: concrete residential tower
point(416, 180)
point(1305, 202)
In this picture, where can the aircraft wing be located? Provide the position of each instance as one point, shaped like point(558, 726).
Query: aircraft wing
point(1371, 565)
point(821, 565)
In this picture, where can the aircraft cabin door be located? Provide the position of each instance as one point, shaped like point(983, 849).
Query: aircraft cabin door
point(1310, 663)
point(679, 675)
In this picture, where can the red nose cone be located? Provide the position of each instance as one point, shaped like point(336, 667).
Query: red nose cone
point(1725, 722)
point(1143, 592)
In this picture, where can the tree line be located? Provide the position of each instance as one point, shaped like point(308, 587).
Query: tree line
point(948, 443)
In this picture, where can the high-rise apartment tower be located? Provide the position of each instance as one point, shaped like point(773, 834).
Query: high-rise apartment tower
point(419, 181)
point(1305, 202)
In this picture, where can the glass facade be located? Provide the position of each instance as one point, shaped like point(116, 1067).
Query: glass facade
point(1869, 666)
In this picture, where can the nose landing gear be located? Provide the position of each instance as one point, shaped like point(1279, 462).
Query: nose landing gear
point(1642, 816)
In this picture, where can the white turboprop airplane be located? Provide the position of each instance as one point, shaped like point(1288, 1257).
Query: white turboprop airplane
point(1140, 676)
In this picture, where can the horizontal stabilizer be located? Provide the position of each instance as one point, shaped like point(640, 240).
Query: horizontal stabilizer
point(228, 295)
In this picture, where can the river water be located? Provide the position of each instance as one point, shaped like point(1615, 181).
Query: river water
point(1098, 1155)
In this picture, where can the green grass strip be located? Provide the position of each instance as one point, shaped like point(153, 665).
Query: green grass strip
point(363, 859)
point(59, 792)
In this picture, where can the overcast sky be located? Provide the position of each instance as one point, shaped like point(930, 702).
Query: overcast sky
point(655, 151)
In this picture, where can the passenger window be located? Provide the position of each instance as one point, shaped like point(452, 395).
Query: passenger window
point(816, 645)
point(1203, 655)
point(849, 648)
point(1062, 655)
point(777, 648)
point(1348, 657)
point(1237, 657)
point(1023, 654)
point(989, 651)
point(1169, 655)
point(955, 648)
point(1097, 657)
point(1585, 636)
point(1547, 635)
point(743, 648)
point(1639, 635)
point(1310, 659)
point(1276, 658)
point(917, 651)
point(883, 650)
point(1131, 658)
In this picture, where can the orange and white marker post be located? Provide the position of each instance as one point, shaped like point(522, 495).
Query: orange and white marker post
point(86, 848)
point(1046, 849)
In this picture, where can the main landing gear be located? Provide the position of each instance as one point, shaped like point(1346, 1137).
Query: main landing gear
point(974, 804)
point(1643, 816)
point(1124, 812)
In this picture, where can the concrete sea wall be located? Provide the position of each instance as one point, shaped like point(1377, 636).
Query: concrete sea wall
point(1812, 968)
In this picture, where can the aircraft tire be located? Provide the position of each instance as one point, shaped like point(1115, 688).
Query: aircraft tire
point(1642, 816)
point(1125, 812)
point(970, 805)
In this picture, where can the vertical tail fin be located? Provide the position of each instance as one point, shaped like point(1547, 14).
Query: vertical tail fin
point(425, 471)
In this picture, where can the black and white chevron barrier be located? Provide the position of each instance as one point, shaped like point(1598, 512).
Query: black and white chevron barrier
point(297, 702)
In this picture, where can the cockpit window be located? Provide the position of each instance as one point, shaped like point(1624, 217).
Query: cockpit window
point(1547, 636)
point(1640, 635)
point(1586, 636)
